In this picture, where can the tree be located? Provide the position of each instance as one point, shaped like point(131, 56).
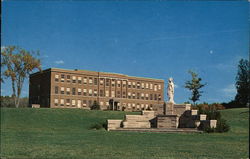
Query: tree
point(243, 83)
point(17, 64)
point(194, 85)
point(95, 106)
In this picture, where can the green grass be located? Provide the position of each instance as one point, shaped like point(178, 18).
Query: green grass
point(65, 133)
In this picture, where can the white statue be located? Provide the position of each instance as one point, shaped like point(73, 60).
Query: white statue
point(170, 90)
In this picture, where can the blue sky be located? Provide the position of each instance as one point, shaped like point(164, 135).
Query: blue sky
point(156, 39)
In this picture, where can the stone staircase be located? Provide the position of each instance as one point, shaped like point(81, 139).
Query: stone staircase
point(138, 121)
point(179, 119)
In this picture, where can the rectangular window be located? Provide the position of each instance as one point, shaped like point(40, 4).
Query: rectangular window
point(73, 102)
point(107, 82)
point(68, 78)
point(146, 96)
point(101, 81)
point(62, 90)
point(57, 78)
point(142, 96)
point(142, 85)
point(118, 94)
point(129, 95)
point(79, 91)
point(56, 102)
point(159, 87)
point(142, 106)
point(68, 91)
point(85, 80)
point(67, 102)
point(79, 104)
point(62, 77)
point(155, 97)
point(123, 94)
point(138, 85)
point(151, 96)
point(84, 103)
point(123, 83)
point(138, 95)
point(146, 85)
point(112, 93)
point(133, 84)
point(118, 83)
point(129, 84)
point(101, 93)
point(133, 95)
point(85, 92)
point(73, 79)
point(107, 93)
point(159, 97)
point(129, 105)
point(62, 102)
point(95, 92)
point(95, 81)
point(79, 80)
point(56, 89)
point(73, 91)
point(155, 87)
point(113, 83)
point(90, 92)
point(90, 80)
point(151, 86)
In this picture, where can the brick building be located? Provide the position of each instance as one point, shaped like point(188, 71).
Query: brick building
point(61, 88)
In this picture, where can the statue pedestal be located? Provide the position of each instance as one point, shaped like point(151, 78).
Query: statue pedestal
point(169, 108)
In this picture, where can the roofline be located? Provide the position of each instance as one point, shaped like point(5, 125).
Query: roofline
point(53, 68)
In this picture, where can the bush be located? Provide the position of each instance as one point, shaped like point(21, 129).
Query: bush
point(213, 114)
point(95, 106)
point(222, 126)
point(98, 126)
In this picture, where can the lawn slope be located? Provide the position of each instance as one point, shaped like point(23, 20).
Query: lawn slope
point(65, 133)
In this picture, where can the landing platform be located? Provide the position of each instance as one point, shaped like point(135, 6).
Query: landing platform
point(160, 130)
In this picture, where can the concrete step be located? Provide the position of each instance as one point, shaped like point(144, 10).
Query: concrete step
point(161, 130)
point(136, 124)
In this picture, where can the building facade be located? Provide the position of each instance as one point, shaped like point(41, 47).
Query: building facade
point(61, 88)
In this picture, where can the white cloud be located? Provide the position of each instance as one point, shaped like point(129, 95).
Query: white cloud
point(59, 62)
point(229, 90)
point(211, 51)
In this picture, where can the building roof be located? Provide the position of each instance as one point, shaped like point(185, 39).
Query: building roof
point(94, 73)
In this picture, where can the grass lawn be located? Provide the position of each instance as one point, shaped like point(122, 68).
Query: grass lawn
point(65, 133)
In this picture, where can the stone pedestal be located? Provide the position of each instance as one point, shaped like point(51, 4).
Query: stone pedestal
point(169, 108)
point(167, 121)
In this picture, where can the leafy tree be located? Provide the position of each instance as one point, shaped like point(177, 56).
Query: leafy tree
point(95, 106)
point(243, 83)
point(17, 64)
point(194, 85)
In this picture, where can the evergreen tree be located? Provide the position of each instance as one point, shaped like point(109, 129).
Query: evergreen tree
point(243, 83)
point(194, 86)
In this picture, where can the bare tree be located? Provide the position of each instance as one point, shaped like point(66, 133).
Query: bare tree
point(17, 64)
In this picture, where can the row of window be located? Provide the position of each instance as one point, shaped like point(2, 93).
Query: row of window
point(119, 94)
point(108, 82)
point(85, 103)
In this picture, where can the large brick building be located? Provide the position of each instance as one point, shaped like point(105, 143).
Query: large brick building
point(61, 88)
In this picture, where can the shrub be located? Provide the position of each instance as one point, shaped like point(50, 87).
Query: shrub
point(95, 106)
point(213, 114)
point(222, 126)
